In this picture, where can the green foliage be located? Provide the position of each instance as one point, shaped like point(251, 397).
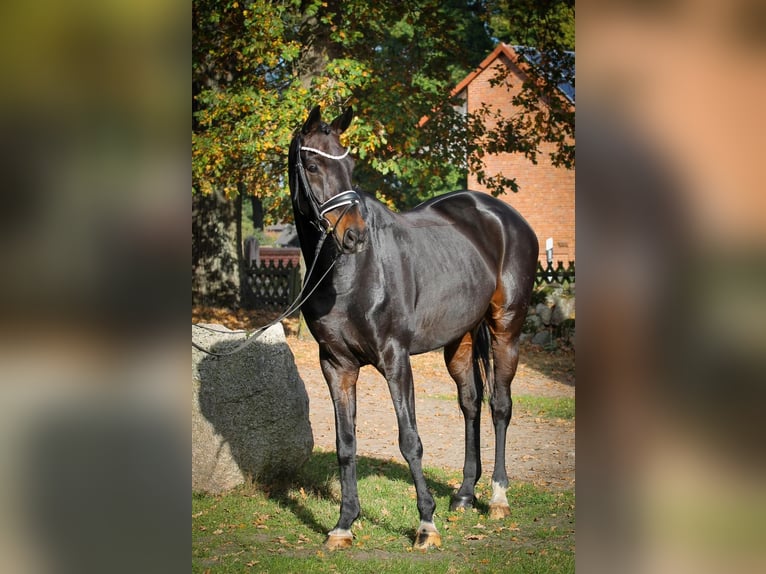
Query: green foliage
point(533, 23)
point(282, 528)
point(258, 66)
point(544, 291)
point(549, 29)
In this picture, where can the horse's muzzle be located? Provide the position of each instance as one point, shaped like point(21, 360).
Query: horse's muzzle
point(353, 240)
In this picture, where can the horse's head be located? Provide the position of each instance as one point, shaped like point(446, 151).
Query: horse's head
point(320, 181)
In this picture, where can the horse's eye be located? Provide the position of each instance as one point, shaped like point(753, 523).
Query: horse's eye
point(313, 168)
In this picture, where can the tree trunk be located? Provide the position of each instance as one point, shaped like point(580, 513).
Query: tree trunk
point(257, 212)
point(216, 252)
point(318, 47)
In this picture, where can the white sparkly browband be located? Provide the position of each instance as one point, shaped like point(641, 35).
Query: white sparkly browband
point(324, 154)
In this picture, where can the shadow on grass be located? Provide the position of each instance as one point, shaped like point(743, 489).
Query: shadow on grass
point(320, 474)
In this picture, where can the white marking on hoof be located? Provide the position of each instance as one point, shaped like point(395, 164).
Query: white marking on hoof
point(499, 511)
point(427, 527)
point(498, 495)
point(498, 505)
point(339, 538)
point(427, 536)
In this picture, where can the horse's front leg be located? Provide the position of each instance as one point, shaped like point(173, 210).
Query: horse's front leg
point(341, 380)
point(398, 373)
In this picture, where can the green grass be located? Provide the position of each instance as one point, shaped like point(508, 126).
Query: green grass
point(282, 529)
point(546, 407)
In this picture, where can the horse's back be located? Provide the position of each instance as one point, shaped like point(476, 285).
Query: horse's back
point(492, 223)
point(469, 247)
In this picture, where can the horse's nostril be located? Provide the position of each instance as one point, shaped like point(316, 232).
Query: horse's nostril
point(353, 239)
point(350, 238)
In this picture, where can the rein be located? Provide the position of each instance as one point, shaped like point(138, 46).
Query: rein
point(347, 199)
point(294, 306)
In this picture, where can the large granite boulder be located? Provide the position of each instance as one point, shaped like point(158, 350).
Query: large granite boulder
point(250, 410)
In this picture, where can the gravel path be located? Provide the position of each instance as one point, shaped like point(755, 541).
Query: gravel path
point(539, 450)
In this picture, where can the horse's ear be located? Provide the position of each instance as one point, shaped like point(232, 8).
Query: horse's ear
point(314, 119)
point(342, 122)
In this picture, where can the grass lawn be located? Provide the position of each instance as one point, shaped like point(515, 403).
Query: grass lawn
point(547, 407)
point(282, 529)
point(538, 406)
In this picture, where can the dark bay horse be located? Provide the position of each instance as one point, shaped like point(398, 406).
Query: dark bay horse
point(455, 272)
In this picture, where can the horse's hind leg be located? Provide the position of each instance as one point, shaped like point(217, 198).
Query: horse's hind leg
point(459, 359)
point(505, 327)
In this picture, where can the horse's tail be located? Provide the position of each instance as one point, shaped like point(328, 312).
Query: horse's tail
point(484, 374)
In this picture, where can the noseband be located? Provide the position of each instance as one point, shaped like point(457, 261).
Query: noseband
point(347, 199)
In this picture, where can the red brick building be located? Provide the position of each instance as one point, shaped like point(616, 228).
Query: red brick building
point(546, 196)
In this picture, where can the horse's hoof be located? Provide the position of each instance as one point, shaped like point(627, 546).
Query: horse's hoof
point(338, 542)
point(462, 502)
point(499, 511)
point(425, 540)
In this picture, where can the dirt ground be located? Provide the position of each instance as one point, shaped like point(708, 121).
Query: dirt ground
point(539, 450)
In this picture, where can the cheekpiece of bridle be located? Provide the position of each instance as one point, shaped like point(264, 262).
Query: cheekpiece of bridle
point(347, 199)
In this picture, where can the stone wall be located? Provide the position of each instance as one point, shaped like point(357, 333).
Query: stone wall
point(551, 317)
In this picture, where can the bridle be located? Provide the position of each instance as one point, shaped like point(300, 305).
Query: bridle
point(347, 199)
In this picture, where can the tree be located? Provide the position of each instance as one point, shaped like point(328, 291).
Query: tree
point(542, 24)
point(415, 54)
point(542, 33)
point(258, 66)
point(244, 102)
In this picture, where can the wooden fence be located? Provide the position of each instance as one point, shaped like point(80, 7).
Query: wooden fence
point(273, 284)
point(559, 274)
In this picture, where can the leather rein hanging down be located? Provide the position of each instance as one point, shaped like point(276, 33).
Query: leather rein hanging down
point(347, 199)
